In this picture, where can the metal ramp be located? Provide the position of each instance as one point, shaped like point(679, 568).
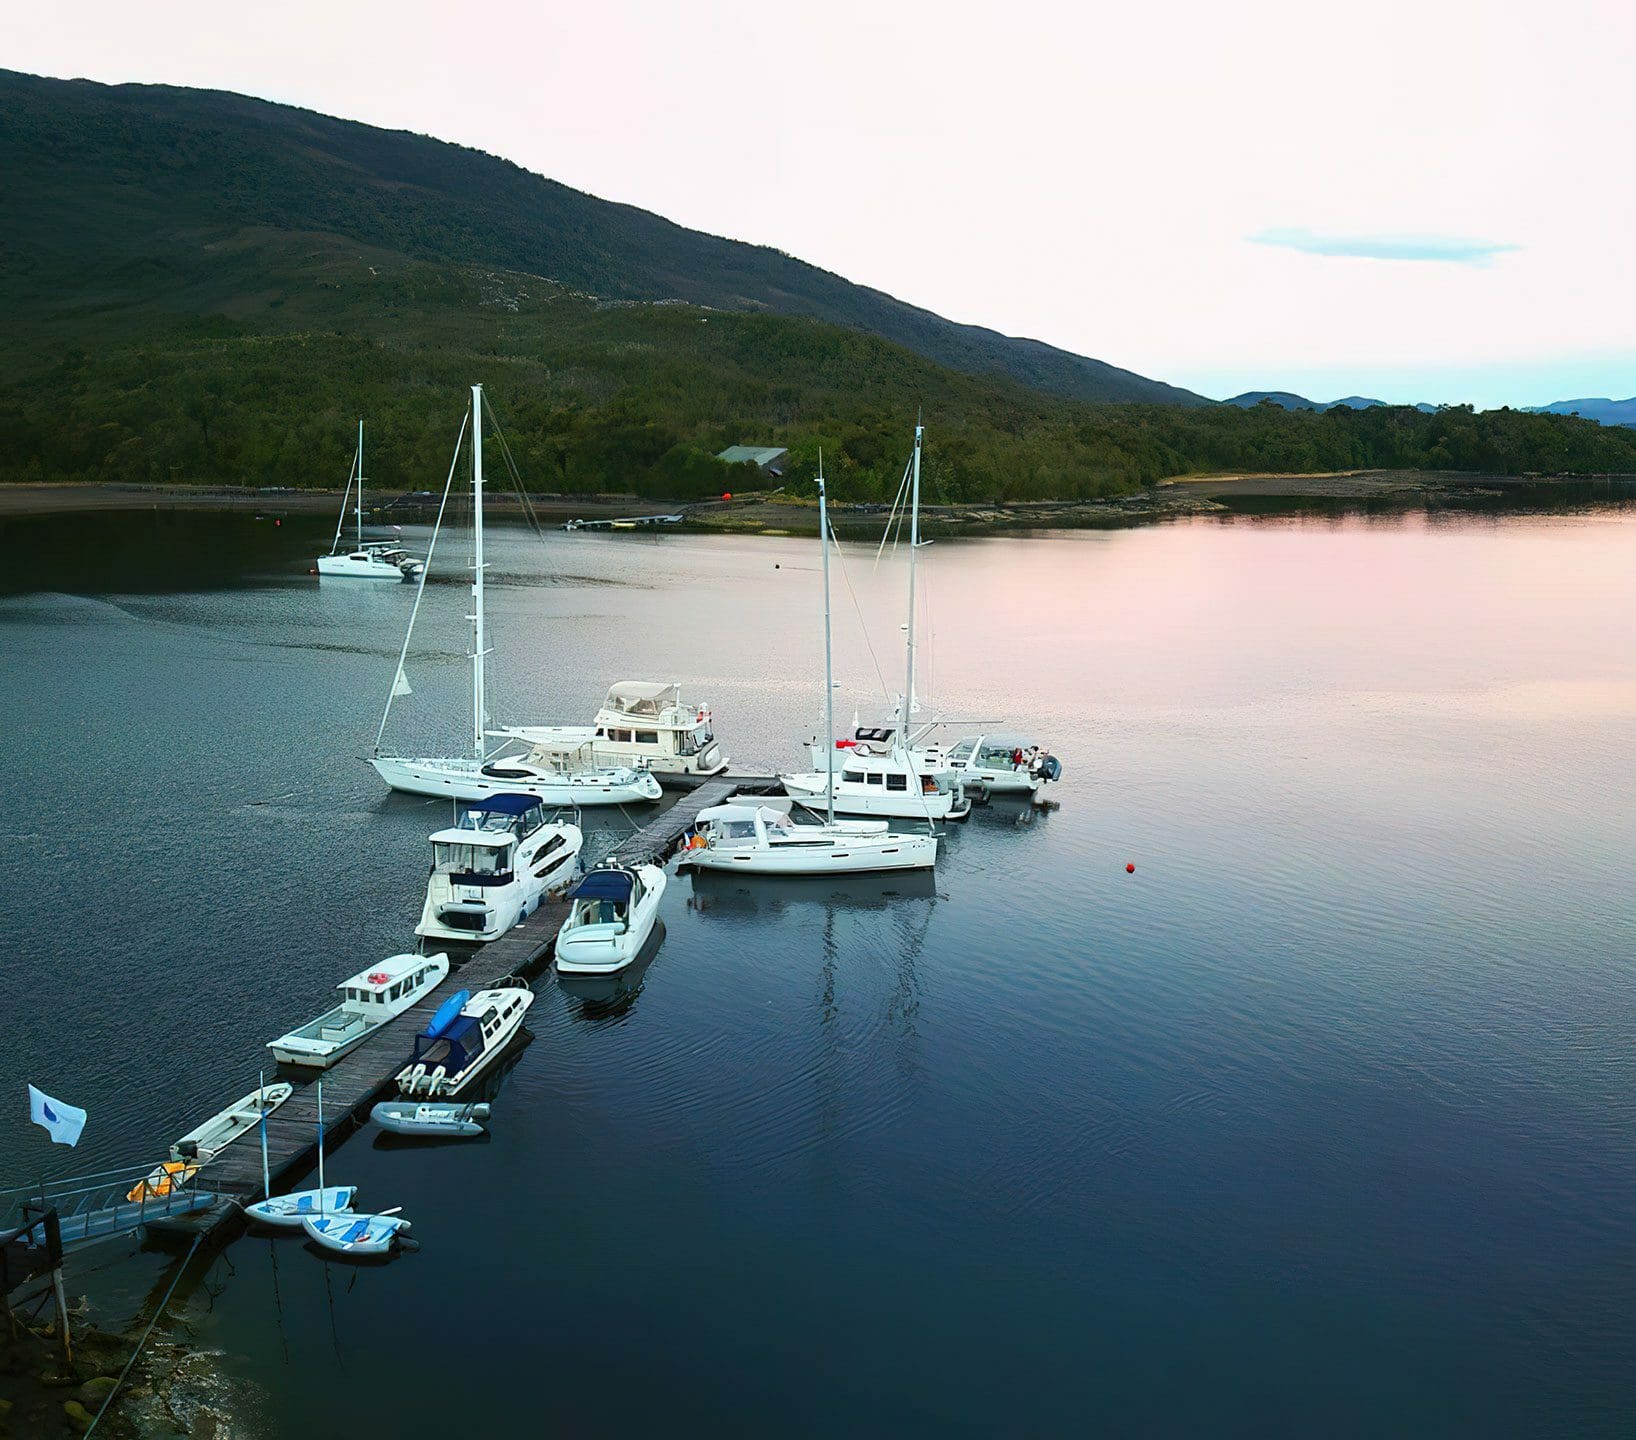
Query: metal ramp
point(98, 1207)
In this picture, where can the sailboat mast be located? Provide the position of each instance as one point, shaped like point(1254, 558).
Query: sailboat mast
point(320, 1144)
point(914, 547)
point(829, 673)
point(478, 650)
point(360, 482)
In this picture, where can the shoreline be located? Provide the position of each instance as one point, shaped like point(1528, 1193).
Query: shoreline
point(1178, 496)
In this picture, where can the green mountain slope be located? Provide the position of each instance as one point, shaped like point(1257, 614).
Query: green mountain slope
point(210, 159)
point(203, 288)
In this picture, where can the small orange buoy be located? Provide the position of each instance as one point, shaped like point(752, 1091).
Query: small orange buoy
point(1130, 869)
point(726, 494)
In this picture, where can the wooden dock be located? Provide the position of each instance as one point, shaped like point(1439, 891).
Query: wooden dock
point(355, 1082)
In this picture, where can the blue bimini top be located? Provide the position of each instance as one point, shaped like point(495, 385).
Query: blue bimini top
point(507, 804)
point(603, 885)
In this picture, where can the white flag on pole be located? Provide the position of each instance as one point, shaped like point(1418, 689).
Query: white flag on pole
point(400, 686)
point(62, 1122)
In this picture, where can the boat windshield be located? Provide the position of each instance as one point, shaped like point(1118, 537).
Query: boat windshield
point(1001, 755)
point(471, 859)
point(962, 752)
point(494, 823)
point(736, 829)
point(599, 912)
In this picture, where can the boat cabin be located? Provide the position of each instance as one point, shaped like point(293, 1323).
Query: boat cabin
point(604, 897)
point(455, 1045)
point(482, 848)
point(889, 774)
point(649, 719)
point(390, 980)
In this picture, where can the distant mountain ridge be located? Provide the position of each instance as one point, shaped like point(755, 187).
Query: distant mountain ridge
point(203, 160)
point(1291, 401)
point(1603, 411)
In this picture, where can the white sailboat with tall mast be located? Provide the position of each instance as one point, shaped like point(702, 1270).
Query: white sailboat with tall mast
point(559, 774)
point(366, 560)
point(895, 782)
point(761, 837)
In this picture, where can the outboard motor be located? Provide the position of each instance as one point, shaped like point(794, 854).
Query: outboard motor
point(1050, 768)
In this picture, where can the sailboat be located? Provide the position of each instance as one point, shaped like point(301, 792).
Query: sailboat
point(894, 782)
point(286, 1212)
point(558, 773)
point(761, 837)
point(365, 561)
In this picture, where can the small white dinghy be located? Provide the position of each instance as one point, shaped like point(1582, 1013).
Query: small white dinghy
point(406, 1117)
point(356, 1234)
point(205, 1142)
point(288, 1211)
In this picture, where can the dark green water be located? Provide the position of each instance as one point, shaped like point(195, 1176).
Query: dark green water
point(1322, 1122)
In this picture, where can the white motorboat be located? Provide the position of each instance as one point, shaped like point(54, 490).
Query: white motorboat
point(495, 867)
point(760, 838)
point(368, 1000)
point(892, 783)
point(409, 1117)
point(454, 1050)
point(1000, 764)
point(357, 1234)
point(568, 777)
point(644, 722)
point(204, 1142)
point(365, 560)
point(614, 911)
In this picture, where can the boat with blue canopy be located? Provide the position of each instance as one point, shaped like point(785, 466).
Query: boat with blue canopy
point(494, 867)
point(466, 1044)
point(614, 911)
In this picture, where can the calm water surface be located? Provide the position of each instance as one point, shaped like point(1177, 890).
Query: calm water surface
point(1323, 1121)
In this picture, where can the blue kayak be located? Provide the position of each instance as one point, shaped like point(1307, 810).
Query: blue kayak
point(447, 1013)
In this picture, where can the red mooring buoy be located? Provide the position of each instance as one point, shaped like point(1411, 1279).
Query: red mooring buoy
point(1130, 869)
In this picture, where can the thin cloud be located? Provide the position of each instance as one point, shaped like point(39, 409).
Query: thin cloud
point(1441, 249)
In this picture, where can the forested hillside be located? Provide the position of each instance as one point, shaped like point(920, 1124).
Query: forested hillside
point(200, 288)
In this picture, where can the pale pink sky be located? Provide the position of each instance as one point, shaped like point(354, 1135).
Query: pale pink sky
point(1093, 174)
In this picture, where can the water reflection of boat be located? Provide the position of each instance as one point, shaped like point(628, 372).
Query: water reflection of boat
point(602, 997)
point(715, 889)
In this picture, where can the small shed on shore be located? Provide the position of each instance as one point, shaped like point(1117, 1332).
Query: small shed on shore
point(768, 459)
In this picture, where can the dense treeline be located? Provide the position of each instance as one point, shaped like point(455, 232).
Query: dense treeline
point(637, 399)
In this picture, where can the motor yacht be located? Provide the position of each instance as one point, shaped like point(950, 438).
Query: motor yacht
point(497, 865)
point(454, 1050)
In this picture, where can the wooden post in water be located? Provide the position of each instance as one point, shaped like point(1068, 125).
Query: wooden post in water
point(62, 1313)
